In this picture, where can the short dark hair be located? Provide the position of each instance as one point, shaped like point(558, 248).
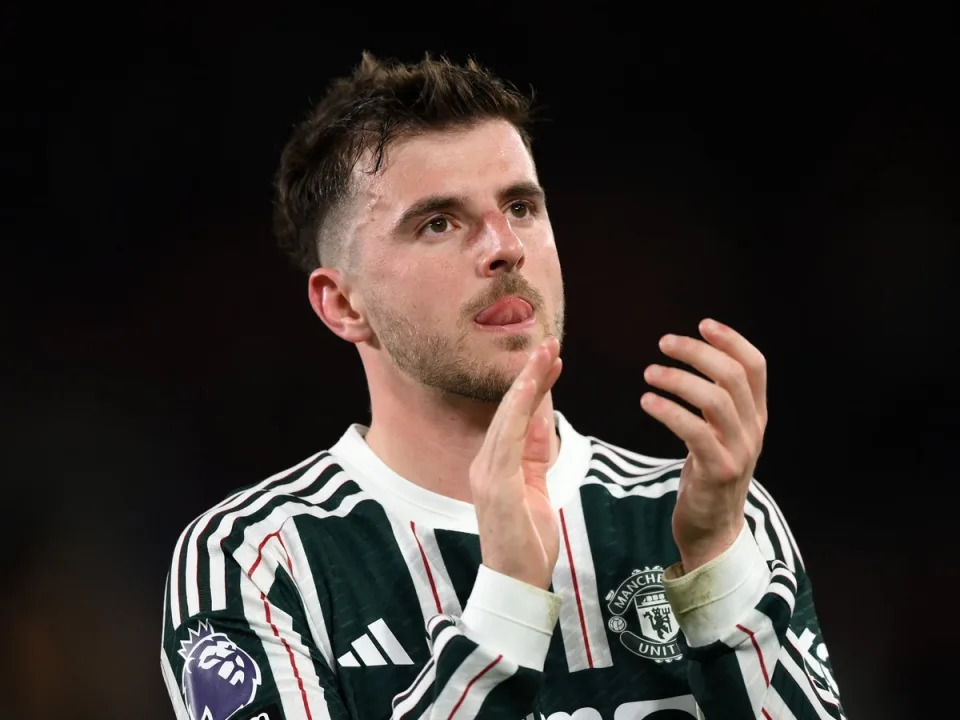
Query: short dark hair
point(364, 112)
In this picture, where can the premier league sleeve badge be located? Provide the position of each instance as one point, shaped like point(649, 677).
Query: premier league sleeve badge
point(218, 677)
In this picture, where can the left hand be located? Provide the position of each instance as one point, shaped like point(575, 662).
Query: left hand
point(723, 445)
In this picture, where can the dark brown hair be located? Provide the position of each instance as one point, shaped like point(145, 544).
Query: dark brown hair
point(364, 112)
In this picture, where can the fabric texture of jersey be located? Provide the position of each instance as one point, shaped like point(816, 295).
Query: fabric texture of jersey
point(338, 589)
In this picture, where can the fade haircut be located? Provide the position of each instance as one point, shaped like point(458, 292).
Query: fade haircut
point(364, 112)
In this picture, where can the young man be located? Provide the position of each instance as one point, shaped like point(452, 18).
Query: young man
point(470, 554)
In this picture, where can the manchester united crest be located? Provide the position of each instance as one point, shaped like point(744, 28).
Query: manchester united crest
point(642, 617)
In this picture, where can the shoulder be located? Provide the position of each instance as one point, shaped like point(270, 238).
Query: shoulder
point(770, 528)
point(624, 472)
point(303, 481)
point(627, 473)
point(627, 458)
point(618, 459)
point(204, 558)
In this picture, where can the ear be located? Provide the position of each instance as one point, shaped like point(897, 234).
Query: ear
point(330, 297)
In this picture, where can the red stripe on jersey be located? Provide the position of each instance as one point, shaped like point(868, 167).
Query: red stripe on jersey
point(470, 684)
point(289, 561)
point(426, 565)
point(576, 590)
point(293, 660)
point(263, 542)
point(756, 646)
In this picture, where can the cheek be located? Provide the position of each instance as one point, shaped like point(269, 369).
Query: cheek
point(551, 271)
point(547, 257)
point(426, 290)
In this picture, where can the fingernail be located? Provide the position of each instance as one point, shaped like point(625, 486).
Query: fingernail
point(668, 341)
point(709, 325)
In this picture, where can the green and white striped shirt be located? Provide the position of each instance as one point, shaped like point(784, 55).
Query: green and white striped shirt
point(338, 589)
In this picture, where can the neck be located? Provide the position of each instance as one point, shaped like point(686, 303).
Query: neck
point(431, 438)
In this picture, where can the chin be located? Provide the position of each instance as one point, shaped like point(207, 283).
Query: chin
point(507, 346)
point(511, 362)
point(519, 344)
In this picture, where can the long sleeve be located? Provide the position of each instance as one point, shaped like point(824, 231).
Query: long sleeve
point(750, 628)
point(256, 659)
point(260, 658)
point(489, 662)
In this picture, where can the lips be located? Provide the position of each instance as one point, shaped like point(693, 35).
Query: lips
point(506, 311)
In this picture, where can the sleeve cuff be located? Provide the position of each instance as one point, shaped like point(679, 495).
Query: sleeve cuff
point(710, 600)
point(511, 617)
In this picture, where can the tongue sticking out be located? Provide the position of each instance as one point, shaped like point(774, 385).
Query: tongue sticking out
point(506, 312)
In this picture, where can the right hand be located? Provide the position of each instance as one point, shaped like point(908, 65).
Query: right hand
point(518, 529)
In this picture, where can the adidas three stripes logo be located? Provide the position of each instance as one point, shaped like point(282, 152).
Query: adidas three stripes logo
point(372, 651)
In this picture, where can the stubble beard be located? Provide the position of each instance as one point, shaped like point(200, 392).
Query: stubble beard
point(443, 363)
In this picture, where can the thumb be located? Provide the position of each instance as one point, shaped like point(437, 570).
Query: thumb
point(536, 453)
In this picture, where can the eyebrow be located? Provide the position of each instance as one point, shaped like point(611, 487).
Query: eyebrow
point(445, 203)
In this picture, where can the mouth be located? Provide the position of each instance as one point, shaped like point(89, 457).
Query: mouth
point(509, 313)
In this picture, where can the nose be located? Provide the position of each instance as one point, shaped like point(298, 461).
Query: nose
point(502, 249)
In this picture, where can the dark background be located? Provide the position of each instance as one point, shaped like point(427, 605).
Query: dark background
point(791, 173)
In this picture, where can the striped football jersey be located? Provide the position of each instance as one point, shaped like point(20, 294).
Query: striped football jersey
point(338, 589)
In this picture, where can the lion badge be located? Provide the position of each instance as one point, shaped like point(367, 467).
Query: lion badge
point(218, 677)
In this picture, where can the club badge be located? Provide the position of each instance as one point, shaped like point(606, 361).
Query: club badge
point(653, 619)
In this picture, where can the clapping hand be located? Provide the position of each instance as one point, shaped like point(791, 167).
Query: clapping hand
point(724, 444)
point(517, 525)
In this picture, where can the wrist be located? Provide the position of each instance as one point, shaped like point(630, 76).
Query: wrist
point(517, 566)
point(713, 598)
point(695, 553)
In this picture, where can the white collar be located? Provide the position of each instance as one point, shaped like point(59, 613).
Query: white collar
point(411, 502)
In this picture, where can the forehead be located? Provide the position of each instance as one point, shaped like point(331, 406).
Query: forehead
point(481, 158)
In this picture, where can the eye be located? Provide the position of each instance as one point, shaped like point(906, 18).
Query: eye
point(520, 209)
point(436, 226)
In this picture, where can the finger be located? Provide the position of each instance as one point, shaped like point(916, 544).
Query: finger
point(743, 351)
point(710, 398)
point(533, 367)
point(518, 414)
point(504, 441)
point(540, 366)
point(536, 453)
point(719, 367)
point(549, 380)
point(692, 430)
point(542, 408)
point(537, 442)
point(544, 369)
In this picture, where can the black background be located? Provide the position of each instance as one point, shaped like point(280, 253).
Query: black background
point(792, 173)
